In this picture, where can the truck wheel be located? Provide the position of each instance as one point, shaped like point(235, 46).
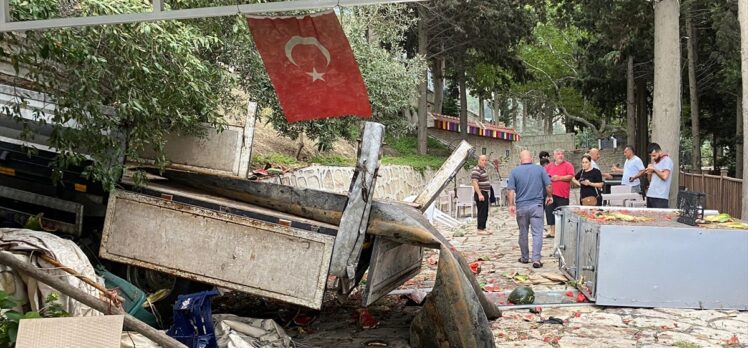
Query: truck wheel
point(148, 280)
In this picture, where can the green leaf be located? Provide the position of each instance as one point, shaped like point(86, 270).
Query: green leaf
point(32, 315)
point(12, 332)
point(14, 316)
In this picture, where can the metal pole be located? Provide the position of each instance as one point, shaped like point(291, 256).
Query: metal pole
point(157, 6)
point(4, 13)
point(202, 12)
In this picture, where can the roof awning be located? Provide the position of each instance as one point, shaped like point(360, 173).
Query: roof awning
point(452, 124)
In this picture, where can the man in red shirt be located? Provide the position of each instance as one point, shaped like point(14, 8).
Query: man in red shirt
point(561, 173)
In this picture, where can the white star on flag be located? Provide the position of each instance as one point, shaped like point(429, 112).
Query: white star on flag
point(316, 75)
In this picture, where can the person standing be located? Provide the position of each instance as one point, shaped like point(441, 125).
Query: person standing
point(528, 185)
point(595, 155)
point(544, 162)
point(631, 168)
point(543, 155)
point(590, 181)
point(481, 190)
point(561, 173)
point(659, 172)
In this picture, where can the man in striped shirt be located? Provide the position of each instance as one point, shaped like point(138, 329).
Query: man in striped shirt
point(482, 189)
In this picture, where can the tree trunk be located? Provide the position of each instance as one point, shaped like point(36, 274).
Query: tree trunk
point(693, 94)
point(481, 110)
point(495, 107)
point(301, 146)
point(630, 104)
point(739, 139)
point(743, 19)
point(715, 154)
point(463, 104)
point(642, 120)
point(667, 81)
point(438, 85)
point(423, 85)
point(463, 95)
point(524, 115)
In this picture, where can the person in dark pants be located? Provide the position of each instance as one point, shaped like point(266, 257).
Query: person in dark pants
point(481, 188)
point(561, 173)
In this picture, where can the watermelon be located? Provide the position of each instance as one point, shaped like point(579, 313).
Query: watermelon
point(522, 295)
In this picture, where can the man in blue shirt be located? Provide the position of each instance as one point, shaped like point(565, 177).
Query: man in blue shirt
point(529, 185)
point(659, 172)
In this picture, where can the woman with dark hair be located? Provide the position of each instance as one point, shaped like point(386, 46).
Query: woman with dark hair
point(590, 180)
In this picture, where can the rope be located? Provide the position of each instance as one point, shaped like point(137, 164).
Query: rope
point(110, 294)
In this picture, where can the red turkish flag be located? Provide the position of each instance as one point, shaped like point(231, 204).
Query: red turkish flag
point(311, 65)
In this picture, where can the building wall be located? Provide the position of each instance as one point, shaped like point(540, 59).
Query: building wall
point(493, 148)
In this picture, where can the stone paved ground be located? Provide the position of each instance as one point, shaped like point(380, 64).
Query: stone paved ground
point(584, 326)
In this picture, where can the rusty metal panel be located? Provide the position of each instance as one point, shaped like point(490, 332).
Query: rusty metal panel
point(445, 174)
point(227, 250)
point(392, 264)
point(355, 218)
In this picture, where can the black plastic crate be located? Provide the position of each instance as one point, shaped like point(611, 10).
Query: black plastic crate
point(691, 205)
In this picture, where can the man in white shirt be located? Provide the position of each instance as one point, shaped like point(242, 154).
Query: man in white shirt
point(630, 169)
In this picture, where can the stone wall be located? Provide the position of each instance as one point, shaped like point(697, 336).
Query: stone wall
point(537, 143)
point(608, 157)
point(393, 183)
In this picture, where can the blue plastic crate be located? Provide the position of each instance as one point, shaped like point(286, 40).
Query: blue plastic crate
point(193, 323)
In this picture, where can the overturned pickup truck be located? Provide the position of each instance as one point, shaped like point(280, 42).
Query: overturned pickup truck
point(204, 220)
point(254, 237)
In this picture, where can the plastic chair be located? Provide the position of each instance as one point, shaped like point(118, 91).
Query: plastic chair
point(465, 199)
point(445, 199)
point(193, 324)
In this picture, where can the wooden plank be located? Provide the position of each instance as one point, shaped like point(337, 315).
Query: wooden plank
point(448, 170)
point(392, 264)
point(355, 218)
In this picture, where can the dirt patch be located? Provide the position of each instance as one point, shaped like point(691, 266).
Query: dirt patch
point(268, 141)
